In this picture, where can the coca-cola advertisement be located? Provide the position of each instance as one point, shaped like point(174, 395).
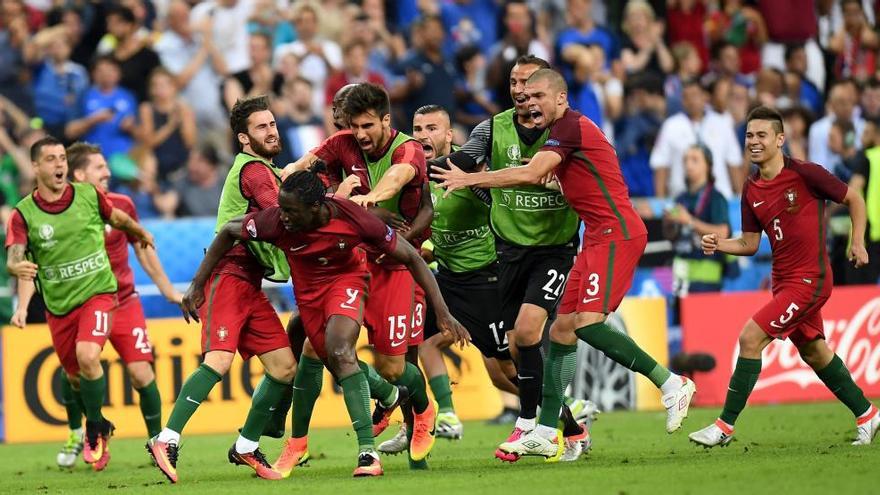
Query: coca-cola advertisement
point(711, 324)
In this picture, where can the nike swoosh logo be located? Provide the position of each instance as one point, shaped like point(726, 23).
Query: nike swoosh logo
point(585, 301)
point(297, 388)
point(416, 334)
point(293, 250)
point(272, 408)
point(548, 297)
point(397, 344)
point(775, 325)
point(346, 306)
point(759, 203)
point(190, 399)
point(152, 416)
point(520, 377)
point(358, 169)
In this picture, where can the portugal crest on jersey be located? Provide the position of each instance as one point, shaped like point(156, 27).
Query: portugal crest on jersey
point(791, 197)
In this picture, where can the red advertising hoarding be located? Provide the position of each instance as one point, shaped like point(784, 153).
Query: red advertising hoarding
point(711, 324)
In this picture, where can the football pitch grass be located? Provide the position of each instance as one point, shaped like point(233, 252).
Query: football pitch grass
point(778, 449)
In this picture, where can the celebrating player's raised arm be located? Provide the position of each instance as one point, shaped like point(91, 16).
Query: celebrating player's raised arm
point(541, 165)
point(399, 175)
point(745, 245)
point(222, 243)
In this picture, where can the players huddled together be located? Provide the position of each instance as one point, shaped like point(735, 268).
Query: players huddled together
point(354, 224)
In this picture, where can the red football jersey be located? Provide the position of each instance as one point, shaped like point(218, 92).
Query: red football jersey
point(790, 208)
point(328, 251)
point(591, 180)
point(344, 157)
point(117, 242)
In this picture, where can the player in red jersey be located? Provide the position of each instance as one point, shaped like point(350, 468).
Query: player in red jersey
point(320, 235)
point(128, 332)
point(785, 198)
point(585, 165)
point(390, 177)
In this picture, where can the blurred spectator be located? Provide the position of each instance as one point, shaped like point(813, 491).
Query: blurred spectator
point(168, 128)
point(870, 101)
point(841, 104)
point(685, 23)
point(691, 126)
point(519, 39)
point(698, 211)
point(16, 171)
point(107, 111)
point(468, 22)
point(866, 179)
point(259, 79)
point(796, 121)
point(855, 44)
point(196, 63)
point(228, 24)
point(842, 142)
point(33, 18)
point(58, 84)
point(354, 70)
point(637, 129)
point(384, 49)
point(110, 41)
point(475, 100)
point(688, 65)
point(809, 94)
point(643, 48)
point(742, 27)
point(582, 30)
point(299, 126)
point(14, 35)
point(770, 89)
point(197, 193)
point(429, 77)
point(793, 23)
point(726, 64)
point(83, 30)
point(738, 108)
point(271, 21)
point(318, 57)
point(136, 59)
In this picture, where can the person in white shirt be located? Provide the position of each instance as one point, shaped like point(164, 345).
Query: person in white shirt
point(229, 28)
point(841, 104)
point(696, 124)
point(318, 57)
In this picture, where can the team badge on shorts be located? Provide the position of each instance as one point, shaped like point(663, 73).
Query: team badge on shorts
point(222, 333)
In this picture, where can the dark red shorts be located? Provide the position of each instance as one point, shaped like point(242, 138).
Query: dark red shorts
point(795, 312)
point(128, 335)
point(601, 276)
point(237, 316)
point(390, 309)
point(90, 322)
point(345, 295)
point(417, 333)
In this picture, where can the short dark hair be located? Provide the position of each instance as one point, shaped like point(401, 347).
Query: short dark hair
point(717, 48)
point(847, 130)
point(78, 155)
point(857, 2)
point(791, 49)
point(307, 184)
point(209, 153)
point(427, 109)
point(243, 108)
point(365, 98)
point(769, 114)
point(692, 81)
point(464, 55)
point(554, 78)
point(533, 60)
point(105, 59)
point(123, 12)
point(37, 147)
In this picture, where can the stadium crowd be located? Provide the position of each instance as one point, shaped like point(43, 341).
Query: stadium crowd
point(151, 82)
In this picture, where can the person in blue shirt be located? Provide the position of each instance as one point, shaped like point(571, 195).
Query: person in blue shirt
point(107, 111)
point(469, 22)
point(58, 84)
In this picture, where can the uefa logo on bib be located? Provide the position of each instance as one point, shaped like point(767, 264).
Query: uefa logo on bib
point(46, 231)
point(514, 154)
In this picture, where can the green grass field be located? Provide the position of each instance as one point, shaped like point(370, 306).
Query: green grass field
point(780, 449)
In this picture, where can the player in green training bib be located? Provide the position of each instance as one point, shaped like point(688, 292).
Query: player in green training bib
point(55, 237)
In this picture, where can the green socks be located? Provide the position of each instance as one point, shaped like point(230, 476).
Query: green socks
point(440, 386)
point(356, 393)
point(266, 397)
point(306, 388)
point(72, 403)
point(93, 392)
point(838, 379)
point(414, 381)
point(151, 408)
point(193, 392)
point(743, 380)
point(380, 388)
point(559, 369)
point(624, 351)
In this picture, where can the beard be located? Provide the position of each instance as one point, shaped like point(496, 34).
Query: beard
point(264, 151)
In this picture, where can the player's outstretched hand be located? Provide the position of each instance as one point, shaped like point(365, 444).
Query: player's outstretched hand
point(176, 298)
point(710, 244)
point(451, 179)
point(858, 255)
point(146, 239)
point(449, 326)
point(24, 269)
point(19, 318)
point(364, 200)
point(192, 301)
